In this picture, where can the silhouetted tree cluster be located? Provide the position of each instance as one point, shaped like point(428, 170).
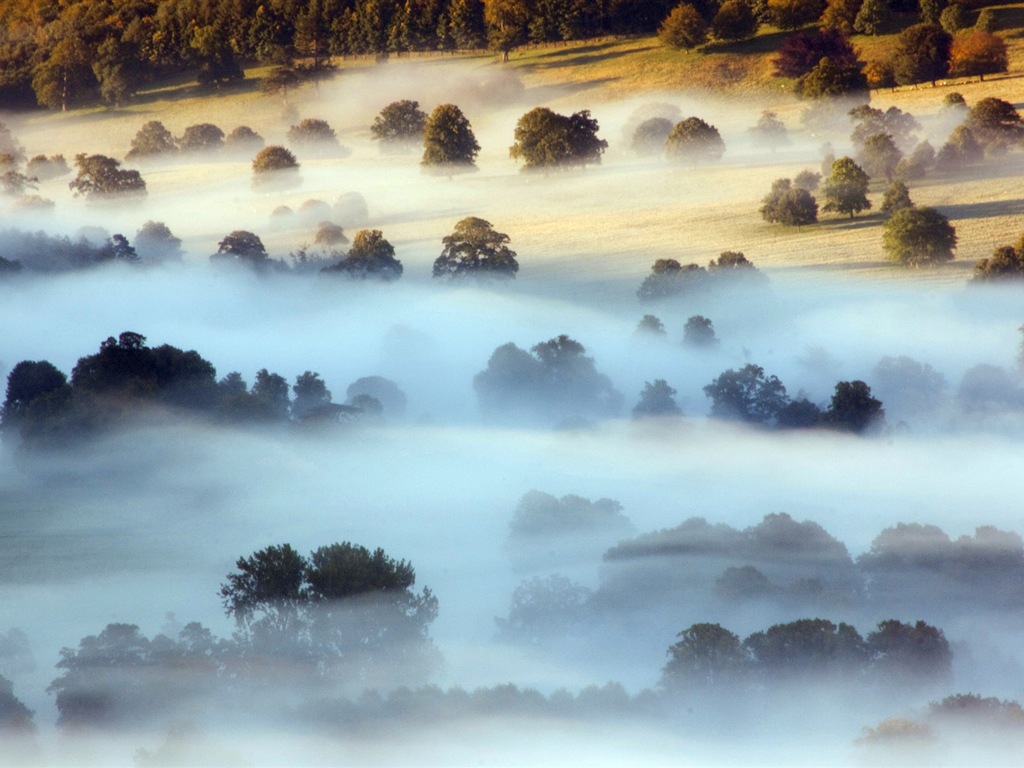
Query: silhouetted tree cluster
point(39, 252)
point(554, 380)
point(126, 380)
point(708, 657)
point(669, 278)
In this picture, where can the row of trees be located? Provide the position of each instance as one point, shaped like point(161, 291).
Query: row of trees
point(68, 55)
point(127, 380)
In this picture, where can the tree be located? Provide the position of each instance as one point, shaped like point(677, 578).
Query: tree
point(706, 656)
point(155, 242)
point(545, 139)
point(556, 379)
point(829, 78)
point(15, 717)
point(747, 395)
point(995, 124)
point(793, 14)
point(897, 197)
point(683, 28)
point(100, 177)
point(922, 54)
point(475, 249)
point(840, 15)
point(275, 166)
point(657, 399)
point(26, 382)
point(243, 140)
point(910, 653)
point(879, 156)
point(693, 140)
point(399, 126)
point(669, 278)
point(1005, 264)
point(650, 135)
point(875, 17)
point(543, 608)
point(244, 247)
point(316, 136)
point(846, 188)
point(371, 256)
point(507, 22)
point(954, 18)
point(449, 145)
point(265, 592)
point(853, 409)
point(788, 204)
point(202, 137)
point(917, 237)
point(769, 131)
point(45, 168)
point(961, 150)
point(867, 121)
point(734, 21)
point(152, 139)
point(801, 52)
point(651, 325)
point(699, 332)
point(807, 647)
point(312, 397)
point(977, 53)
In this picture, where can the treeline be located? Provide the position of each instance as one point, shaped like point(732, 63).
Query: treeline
point(127, 380)
point(59, 55)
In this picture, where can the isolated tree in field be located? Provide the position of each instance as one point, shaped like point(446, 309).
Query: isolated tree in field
point(650, 325)
point(699, 332)
point(275, 166)
point(693, 140)
point(399, 126)
point(853, 409)
point(668, 278)
point(788, 204)
point(706, 656)
point(316, 136)
point(475, 249)
point(846, 188)
point(242, 246)
point(545, 139)
point(202, 137)
point(657, 399)
point(152, 139)
point(734, 21)
point(747, 395)
point(769, 131)
point(961, 150)
point(243, 140)
point(683, 28)
point(101, 177)
point(917, 237)
point(449, 145)
point(897, 197)
point(879, 156)
point(977, 53)
point(996, 125)
point(155, 242)
point(371, 256)
point(649, 137)
point(868, 121)
point(1005, 264)
point(922, 54)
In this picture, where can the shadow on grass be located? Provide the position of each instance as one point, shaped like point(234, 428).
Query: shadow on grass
point(766, 43)
point(983, 210)
point(843, 223)
point(574, 57)
point(552, 91)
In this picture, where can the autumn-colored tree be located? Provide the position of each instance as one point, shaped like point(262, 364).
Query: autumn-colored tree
point(684, 27)
point(977, 53)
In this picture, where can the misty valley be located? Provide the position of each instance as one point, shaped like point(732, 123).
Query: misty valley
point(342, 453)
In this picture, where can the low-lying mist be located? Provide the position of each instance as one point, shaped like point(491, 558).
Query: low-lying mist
point(142, 524)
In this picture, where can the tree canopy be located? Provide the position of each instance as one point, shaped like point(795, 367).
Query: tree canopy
point(918, 236)
point(399, 125)
point(101, 177)
point(846, 188)
point(545, 139)
point(693, 140)
point(449, 144)
point(475, 249)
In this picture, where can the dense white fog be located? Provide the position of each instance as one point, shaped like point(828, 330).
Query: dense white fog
point(143, 527)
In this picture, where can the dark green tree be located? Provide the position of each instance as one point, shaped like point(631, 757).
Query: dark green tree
point(545, 139)
point(915, 237)
point(734, 21)
point(475, 249)
point(693, 140)
point(669, 278)
point(152, 139)
point(922, 54)
point(706, 656)
point(202, 137)
point(370, 257)
point(846, 188)
point(399, 126)
point(747, 395)
point(853, 409)
point(683, 28)
point(699, 332)
point(897, 197)
point(657, 399)
point(244, 247)
point(100, 177)
point(449, 145)
point(789, 205)
point(276, 167)
point(996, 125)
point(1005, 264)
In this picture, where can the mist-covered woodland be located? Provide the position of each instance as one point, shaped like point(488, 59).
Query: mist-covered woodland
point(427, 415)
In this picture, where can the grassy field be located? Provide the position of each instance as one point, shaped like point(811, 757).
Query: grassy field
point(605, 225)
